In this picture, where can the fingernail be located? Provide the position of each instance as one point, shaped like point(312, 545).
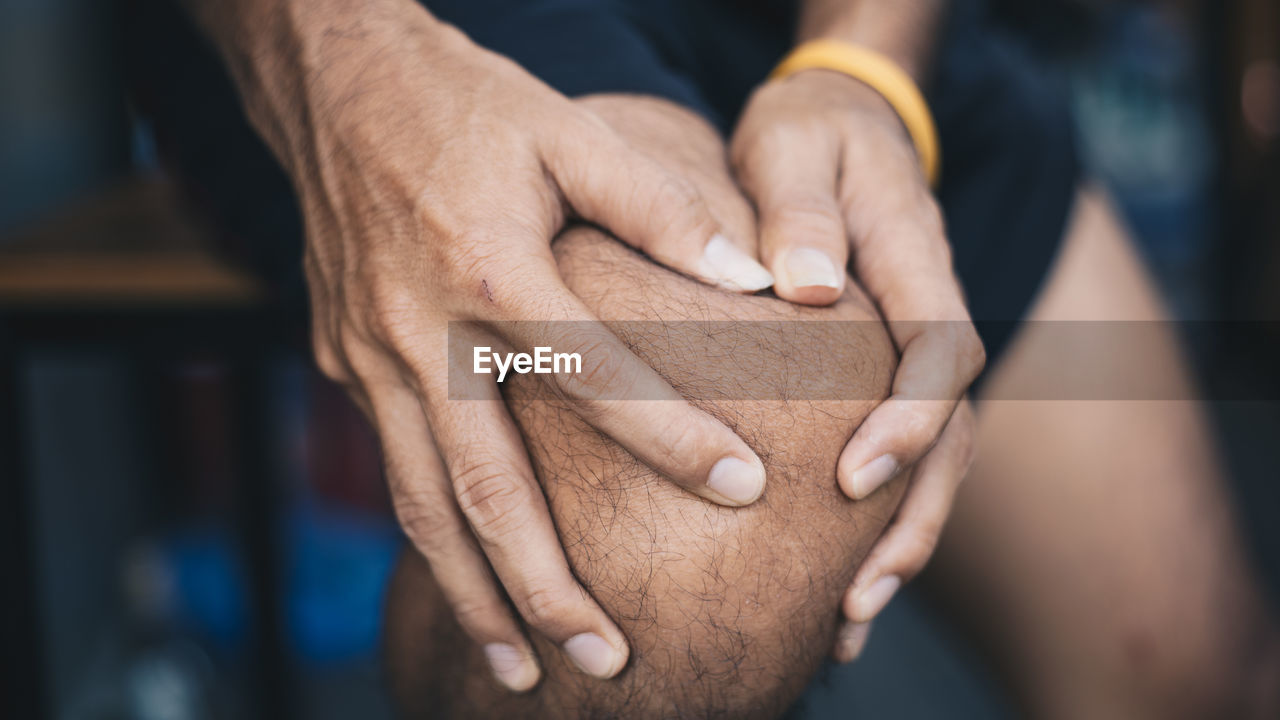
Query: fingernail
point(871, 601)
point(853, 638)
point(511, 667)
point(739, 481)
point(724, 264)
point(807, 267)
point(593, 655)
point(867, 478)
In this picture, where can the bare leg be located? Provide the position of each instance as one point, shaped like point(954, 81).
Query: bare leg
point(729, 612)
point(1093, 549)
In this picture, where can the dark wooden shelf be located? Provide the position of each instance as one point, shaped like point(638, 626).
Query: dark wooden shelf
point(130, 245)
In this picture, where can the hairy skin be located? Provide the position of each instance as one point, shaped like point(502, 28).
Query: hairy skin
point(728, 611)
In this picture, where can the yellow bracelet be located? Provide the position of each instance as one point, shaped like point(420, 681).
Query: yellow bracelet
point(882, 75)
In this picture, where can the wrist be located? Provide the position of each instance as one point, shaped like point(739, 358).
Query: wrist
point(867, 70)
point(902, 30)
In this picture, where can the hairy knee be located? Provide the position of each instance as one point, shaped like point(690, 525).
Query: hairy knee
point(729, 612)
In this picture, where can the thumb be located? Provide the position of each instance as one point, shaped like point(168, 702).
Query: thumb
point(651, 209)
point(802, 232)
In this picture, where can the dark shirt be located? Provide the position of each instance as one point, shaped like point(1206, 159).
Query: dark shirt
point(1009, 169)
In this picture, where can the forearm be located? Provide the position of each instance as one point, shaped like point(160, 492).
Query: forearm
point(292, 59)
point(904, 30)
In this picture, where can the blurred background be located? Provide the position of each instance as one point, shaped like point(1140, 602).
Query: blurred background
point(194, 524)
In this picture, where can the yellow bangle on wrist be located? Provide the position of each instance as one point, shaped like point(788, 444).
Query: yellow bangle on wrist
point(882, 75)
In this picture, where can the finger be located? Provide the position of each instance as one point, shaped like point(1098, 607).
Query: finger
point(792, 179)
point(934, 367)
point(851, 639)
point(902, 258)
point(733, 211)
point(624, 398)
point(649, 208)
point(902, 552)
point(648, 124)
point(502, 502)
point(429, 515)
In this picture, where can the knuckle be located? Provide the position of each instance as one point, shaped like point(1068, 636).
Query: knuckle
point(972, 352)
point(907, 554)
point(467, 261)
point(388, 298)
point(766, 148)
point(491, 498)
point(474, 612)
point(809, 213)
point(421, 520)
point(919, 546)
point(921, 438)
point(390, 336)
point(484, 278)
point(605, 373)
point(395, 314)
point(920, 424)
point(360, 352)
point(680, 442)
point(329, 361)
point(922, 528)
point(677, 207)
point(544, 605)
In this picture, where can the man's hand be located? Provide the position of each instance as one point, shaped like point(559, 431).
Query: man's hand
point(432, 176)
point(685, 145)
point(832, 171)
